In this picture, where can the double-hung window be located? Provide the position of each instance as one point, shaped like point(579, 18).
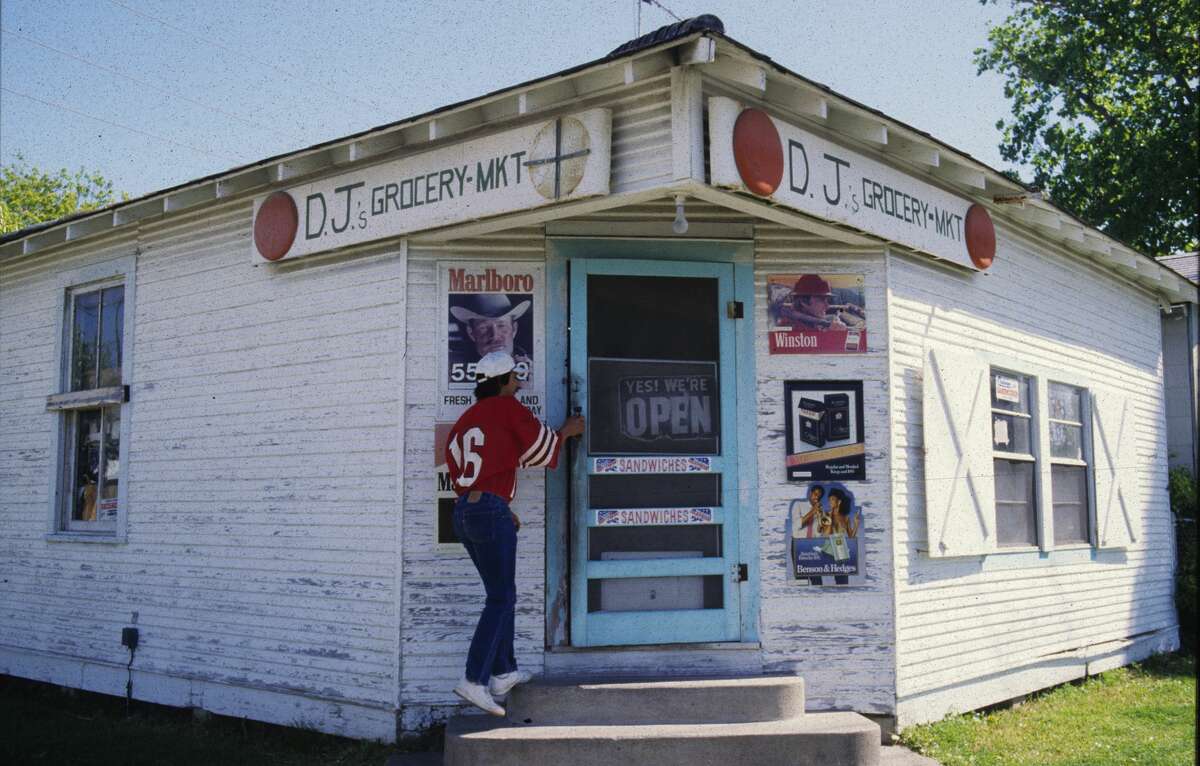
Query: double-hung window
point(1068, 464)
point(89, 408)
point(1014, 461)
point(1019, 457)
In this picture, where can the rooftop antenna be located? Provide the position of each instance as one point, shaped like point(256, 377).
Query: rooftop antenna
point(656, 4)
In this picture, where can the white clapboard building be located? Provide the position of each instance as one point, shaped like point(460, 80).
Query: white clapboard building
point(861, 409)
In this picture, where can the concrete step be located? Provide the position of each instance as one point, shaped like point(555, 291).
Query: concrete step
point(727, 660)
point(668, 701)
point(815, 739)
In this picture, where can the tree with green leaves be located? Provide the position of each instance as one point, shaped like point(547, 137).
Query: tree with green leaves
point(1104, 110)
point(29, 196)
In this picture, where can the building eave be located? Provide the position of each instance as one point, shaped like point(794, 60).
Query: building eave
point(421, 131)
point(703, 46)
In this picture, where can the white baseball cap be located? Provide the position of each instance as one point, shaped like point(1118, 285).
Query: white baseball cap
point(494, 365)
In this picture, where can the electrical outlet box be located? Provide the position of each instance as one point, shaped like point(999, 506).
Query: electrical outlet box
point(129, 637)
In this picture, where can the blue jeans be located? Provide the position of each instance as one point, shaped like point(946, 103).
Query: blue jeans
point(487, 531)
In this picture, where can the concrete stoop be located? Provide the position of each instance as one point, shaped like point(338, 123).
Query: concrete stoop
point(758, 720)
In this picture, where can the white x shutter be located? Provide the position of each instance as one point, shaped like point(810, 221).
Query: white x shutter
point(1116, 469)
point(960, 490)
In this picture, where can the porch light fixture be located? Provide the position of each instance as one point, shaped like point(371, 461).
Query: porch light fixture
point(680, 224)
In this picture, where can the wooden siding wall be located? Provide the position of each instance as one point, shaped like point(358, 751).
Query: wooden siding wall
point(641, 136)
point(264, 472)
point(263, 482)
point(838, 637)
point(977, 630)
point(442, 591)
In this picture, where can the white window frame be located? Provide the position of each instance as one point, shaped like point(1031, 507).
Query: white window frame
point(1039, 385)
point(118, 271)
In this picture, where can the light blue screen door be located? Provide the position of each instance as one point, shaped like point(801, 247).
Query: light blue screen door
point(654, 548)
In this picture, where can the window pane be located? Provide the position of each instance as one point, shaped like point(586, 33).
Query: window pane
point(638, 407)
point(654, 490)
point(1010, 392)
point(1066, 441)
point(111, 465)
point(652, 317)
point(1010, 433)
point(112, 317)
point(85, 483)
point(1065, 402)
point(1016, 514)
point(640, 594)
point(1069, 488)
point(84, 333)
point(660, 542)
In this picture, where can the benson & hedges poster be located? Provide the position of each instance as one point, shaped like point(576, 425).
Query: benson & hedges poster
point(823, 534)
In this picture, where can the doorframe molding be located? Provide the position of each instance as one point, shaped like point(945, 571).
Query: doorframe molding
point(559, 252)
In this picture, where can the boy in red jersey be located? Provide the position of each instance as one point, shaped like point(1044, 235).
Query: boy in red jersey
point(487, 445)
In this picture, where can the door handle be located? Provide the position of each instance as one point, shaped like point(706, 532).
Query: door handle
point(576, 384)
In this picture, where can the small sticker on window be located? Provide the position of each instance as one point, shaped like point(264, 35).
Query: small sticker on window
point(108, 510)
point(1008, 389)
point(1000, 432)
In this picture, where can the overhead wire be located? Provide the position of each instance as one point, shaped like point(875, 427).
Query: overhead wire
point(64, 107)
point(151, 86)
point(662, 7)
point(236, 52)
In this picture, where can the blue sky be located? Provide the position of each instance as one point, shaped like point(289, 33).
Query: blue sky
point(152, 93)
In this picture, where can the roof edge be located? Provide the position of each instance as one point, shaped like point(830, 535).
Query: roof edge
point(665, 37)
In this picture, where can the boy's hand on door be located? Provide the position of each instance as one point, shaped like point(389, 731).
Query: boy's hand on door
point(572, 427)
point(516, 521)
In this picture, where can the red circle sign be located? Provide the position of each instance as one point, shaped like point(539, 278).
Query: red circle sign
point(758, 152)
point(275, 226)
point(981, 236)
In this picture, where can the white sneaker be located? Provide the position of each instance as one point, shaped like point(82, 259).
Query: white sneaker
point(502, 684)
point(477, 695)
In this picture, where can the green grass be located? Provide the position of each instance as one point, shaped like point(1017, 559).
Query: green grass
point(44, 724)
point(1143, 714)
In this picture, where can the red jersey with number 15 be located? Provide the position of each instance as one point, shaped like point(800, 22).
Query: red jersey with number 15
point(494, 438)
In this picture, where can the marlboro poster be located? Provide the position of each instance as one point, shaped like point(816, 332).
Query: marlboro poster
point(444, 497)
point(485, 308)
point(824, 429)
point(823, 536)
point(816, 314)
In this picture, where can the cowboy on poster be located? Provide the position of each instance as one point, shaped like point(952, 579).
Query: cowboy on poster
point(816, 314)
point(485, 308)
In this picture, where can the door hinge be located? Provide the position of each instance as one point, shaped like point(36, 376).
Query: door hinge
point(735, 310)
point(743, 573)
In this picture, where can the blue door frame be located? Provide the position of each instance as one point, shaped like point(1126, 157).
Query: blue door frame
point(568, 517)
